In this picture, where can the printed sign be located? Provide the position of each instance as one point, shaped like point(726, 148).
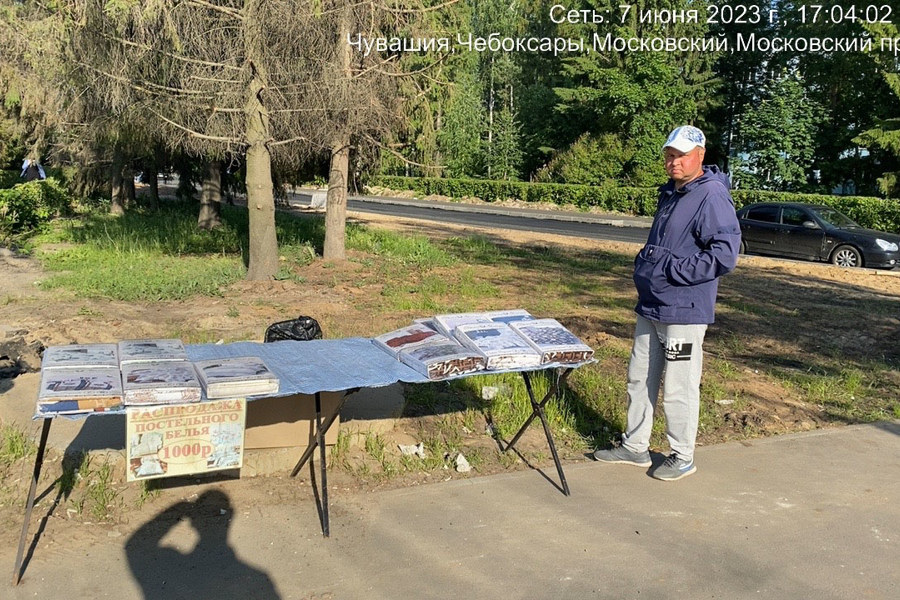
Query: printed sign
point(183, 439)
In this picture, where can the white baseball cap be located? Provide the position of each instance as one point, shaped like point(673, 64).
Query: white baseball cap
point(685, 139)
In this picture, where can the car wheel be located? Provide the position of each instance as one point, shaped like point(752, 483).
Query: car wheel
point(743, 248)
point(846, 256)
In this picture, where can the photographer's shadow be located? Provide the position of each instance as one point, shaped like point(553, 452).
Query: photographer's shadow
point(210, 570)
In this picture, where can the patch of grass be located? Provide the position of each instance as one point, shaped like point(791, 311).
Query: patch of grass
point(450, 433)
point(71, 467)
point(751, 308)
point(421, 399)
point(90, 487)
point(600, 401)
point(162, 255)
point(103, 497)
point(511, 407)
point(848, 394)
point(192, 335)
point(435, 293)
point(726, 369)
point(375, 445)
point(470, 418)
point(340, 451)
point(478, 249)
point(149, 491)
point(15, 443)
point(475, 457)
point(138, 275)
point(170, 231)
point(146, 255)
point(733, 344)
point(415, 250)
point(507, 460)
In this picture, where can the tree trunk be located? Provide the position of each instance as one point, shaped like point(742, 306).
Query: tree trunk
point(211, 197)
point(336, 202)
point(129, 196)
point(185, 190)
point(151, 177)
point(117, 198)
point(339, 170)
point(263, 259)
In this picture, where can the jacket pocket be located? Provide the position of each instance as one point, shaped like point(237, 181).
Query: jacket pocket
point(650, 277)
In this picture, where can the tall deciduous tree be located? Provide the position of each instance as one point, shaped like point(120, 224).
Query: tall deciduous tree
point(885, 134)
point(635, 95)
point(848, 85)
point(777, 137)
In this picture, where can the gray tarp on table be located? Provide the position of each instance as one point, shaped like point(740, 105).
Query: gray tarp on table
point(318, 365)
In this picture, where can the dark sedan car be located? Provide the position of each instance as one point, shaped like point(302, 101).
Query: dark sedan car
point(813, 232)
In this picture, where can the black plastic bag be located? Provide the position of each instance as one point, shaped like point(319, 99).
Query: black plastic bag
point(302, 329)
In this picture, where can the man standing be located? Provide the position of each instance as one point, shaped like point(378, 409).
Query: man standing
point(32, 170)
point(693, 241)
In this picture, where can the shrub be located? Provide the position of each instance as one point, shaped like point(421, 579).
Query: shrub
point(9, 179)
point(638, 201)
point(27, 206)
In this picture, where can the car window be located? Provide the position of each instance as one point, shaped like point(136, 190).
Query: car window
point(838, 219)
point(766, 214)
point(793, 216)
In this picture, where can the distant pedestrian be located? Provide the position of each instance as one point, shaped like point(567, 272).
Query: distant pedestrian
point(693, 241)
point(32, 170)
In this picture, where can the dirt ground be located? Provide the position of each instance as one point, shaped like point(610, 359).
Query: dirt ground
point(792, 312)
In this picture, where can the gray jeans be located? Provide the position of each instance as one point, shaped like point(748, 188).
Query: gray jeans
point(671, 355)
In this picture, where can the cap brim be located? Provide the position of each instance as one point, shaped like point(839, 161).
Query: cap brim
point(682, 145)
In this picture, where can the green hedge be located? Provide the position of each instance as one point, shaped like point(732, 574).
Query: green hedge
point(631, 200)
point(877, 213)
point(26, 206)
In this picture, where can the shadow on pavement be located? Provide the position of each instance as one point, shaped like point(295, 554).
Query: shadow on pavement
point(889, 426)
point(209, 570)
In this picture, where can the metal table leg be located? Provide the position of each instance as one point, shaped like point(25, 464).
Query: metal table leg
point(319, 441)
point(537, 410)
point(29, 504)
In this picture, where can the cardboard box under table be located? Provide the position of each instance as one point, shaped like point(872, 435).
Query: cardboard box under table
point(289, 421)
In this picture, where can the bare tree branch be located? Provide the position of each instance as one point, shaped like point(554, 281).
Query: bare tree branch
point(186, 59)
point(290, 141)
point(223, 9)
point(406, 160)
point(148, 84)
point(197, 134)
point(416, 11)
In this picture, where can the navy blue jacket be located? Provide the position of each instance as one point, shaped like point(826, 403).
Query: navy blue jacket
point(694, 240)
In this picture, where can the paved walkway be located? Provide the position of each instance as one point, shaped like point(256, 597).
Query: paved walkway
point(813, 515)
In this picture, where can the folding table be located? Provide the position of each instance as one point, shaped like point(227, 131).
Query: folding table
point(313, 367)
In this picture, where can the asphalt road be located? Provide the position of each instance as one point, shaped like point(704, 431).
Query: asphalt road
point(504, 221)
point(575, 224)
point(583, 225)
